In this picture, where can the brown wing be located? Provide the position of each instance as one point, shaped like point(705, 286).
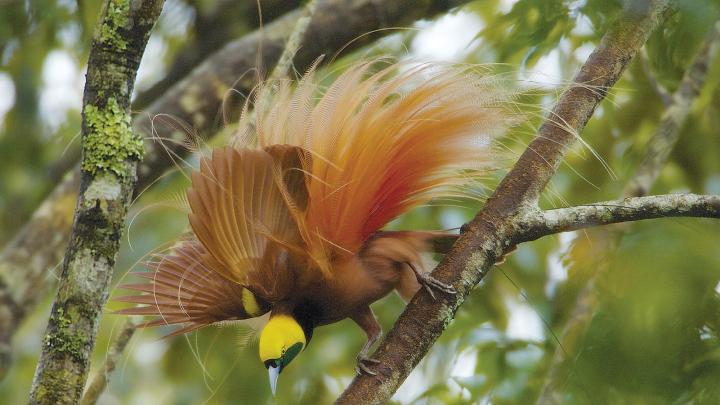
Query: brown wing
point(244, 204)
point(183, 289)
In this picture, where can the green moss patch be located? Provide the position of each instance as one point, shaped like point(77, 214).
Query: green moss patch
point(116, 18)
point(63, 340)
point(109, 141)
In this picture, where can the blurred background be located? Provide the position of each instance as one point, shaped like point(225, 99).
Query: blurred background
point(652, 331)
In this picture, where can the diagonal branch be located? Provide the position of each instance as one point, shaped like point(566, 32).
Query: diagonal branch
point(216, 24)
point(284, 63)
point(497, 227)
point(27, 263)
point(111, 152)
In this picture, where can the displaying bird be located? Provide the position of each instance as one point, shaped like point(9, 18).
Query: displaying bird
point(288, 219)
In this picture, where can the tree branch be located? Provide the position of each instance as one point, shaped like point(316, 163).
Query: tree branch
point(497, 227)
point(656, 155)
point(111, 152)
point(664, 95)
point(27, 262)
point(213, 29)
point(112, 357)
point(554, 221)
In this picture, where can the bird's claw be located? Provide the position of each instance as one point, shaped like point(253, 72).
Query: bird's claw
point(430, 283)
point(363, 368)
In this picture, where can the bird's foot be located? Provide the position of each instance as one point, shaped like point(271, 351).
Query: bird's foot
point(363, 365)
point(430, 284)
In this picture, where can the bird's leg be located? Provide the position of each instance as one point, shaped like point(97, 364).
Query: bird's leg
point(430, 283)
point(365, 318)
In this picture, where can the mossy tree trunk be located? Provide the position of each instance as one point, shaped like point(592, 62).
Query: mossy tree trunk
point(111, 152)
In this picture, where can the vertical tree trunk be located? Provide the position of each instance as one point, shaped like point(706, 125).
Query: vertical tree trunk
point(111, 152)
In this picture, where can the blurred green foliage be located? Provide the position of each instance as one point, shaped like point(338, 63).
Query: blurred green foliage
point(653, 338)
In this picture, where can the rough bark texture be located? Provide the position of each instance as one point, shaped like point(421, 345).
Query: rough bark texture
point(215, 25)
point(497, 227)
point(27, 260)
point(607, 240)
point(111, 152)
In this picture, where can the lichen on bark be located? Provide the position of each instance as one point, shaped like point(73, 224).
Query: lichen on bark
point(110, 140)
point(62, 340)
point(116, 17)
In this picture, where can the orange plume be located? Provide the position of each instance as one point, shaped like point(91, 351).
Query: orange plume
point(380, 143)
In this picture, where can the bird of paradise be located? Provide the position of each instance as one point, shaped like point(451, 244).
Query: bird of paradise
point(288, 220)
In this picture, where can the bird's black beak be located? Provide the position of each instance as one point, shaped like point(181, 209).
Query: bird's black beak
point(274, 373)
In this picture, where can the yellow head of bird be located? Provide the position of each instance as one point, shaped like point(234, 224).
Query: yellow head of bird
point(280, 341)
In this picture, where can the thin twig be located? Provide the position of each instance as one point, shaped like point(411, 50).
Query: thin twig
point(213, 29)
point(659, 89)
point(285, 62)
point(674, 117)
point(112, 357)
point(293, 43)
